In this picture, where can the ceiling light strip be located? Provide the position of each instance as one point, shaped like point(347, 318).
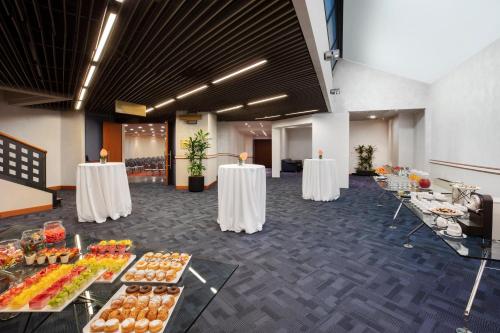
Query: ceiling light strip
point(168, 101)
point(301, 112)
point(104, 37)
point(90, 74)
point(190, 92)
point(268, 117)
point(240, 71)
point(236, 107)
point(267, 99)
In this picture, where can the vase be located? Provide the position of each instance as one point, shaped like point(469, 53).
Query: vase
point(241, 162)
point(320, 157)
point(103, 160)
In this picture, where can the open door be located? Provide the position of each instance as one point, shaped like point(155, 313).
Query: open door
point(112, 140)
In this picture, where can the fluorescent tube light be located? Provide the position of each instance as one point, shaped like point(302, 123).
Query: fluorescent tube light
point(90, 74)
point(267, 99)
point(125, 125)
point(187, 93)
point(301, 112)
point(104, 37)
point(268, 117)
point(168, 101)
point(236, 107)
point(244, 69)
point(82, 94)
point(78, 105)
point(372, 116)
point(149, 109)
point(150, 125)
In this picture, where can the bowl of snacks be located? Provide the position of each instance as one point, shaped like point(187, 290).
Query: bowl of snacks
point(32, 241)
point(54, 232)
point(10, 253)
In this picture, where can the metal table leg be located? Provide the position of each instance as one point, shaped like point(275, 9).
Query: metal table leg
point(408, 244)
point(471, 298)
point(26, 324)
point(379, 198)
point(393, 226)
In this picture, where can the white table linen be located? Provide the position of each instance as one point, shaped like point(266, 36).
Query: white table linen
point(319, 180)
point(242, 197)
point(102, 191)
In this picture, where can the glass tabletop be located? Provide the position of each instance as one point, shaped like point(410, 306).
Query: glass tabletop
point(470, 247)
point(202, 280)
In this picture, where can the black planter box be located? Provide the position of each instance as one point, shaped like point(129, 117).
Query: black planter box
point(196, 183)
point(365, 173)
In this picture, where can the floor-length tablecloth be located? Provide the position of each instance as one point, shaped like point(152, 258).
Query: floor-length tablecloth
point(242, 197)
point(319, 180)
point(102, 191)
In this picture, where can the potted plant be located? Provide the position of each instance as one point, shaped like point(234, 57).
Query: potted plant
point(197, 146)
point(365, 160)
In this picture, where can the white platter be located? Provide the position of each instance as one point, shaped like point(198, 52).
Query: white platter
point(445, 234)
point(130, 260)
point(174, 281)
point(47, 308)
point(121, 291)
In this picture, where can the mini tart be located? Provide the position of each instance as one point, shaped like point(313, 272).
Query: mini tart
point(97, 325)
point(158, 255)
point(176, 266)
point(164, 265)
point(112, 325)
point(155, 326)
point(153, 265)
point(141, 326)
point(128, 325)
point(173, 290)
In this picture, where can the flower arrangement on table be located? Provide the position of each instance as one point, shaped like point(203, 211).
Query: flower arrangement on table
point(320, 153)
point(381, 171)
point(103, 156)
point(242, 158)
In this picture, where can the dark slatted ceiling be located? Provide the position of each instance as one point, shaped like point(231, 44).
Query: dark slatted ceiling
point(159, 49)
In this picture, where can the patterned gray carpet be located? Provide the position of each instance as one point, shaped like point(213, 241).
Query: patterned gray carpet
point(315, 267)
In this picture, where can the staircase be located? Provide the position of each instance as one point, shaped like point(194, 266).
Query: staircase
point(25, 164)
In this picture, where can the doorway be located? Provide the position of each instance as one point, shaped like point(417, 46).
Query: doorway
point(262, 151)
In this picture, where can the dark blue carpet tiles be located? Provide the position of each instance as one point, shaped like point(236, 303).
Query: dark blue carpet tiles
point(315, 267)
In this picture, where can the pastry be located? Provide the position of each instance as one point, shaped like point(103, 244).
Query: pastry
point(141, 264)
point(162, 313)
point(150, 275)
point(160, 290)
point(128, 325)
point(141, 326)
point(158, 255)
point(164, 265)
point(160, 276)
point(145, 289)
point(154, 301)
point(152, 313)
point(97, 325)
point(105, 314)
point(153, 265)
point(114, 314)
point(176, 266)
point(116, 304)
point(165, 256)
point(155, 326)
point(142, 314)
point(175, 255)
point(168, 301)
point(125, 313)
point(143, 301)
point(132, 289)
point(112, 325)
point(173, 290)
point(122, 316)
point(134, 312)
point(130, 302)
point(149, 255)
point(139, 275)
point(129, 276)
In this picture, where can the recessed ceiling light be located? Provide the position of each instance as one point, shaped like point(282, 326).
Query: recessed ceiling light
point(82, 94)
point(267, 99)
point(78, 105)
point(139, 127)
point(143, 131)
point(90, 74)
point(125, 125)
point(168, 101)
point(150, 124)
point(236, 107)
point(163, 127)
point(244, 69)
point(104, 37)
point(372, 116)
point(301, 112)
point(252, 132)
point(246, 124)
point(268, 117)
point(187, 93)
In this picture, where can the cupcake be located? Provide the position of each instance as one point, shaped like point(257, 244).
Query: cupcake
point(30, 259)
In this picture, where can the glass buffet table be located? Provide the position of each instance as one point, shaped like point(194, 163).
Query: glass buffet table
point(202, 280)
point(471, 247)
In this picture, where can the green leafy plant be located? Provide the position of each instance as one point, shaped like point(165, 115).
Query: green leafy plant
point(365, 157)
point(197, 147)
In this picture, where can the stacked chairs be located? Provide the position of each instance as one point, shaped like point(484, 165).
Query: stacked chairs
point(151, 164)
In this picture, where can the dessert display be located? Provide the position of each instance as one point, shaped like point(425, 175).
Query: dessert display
point(32, 241)
point(54, 232)
point(114, 264)
point(111, 246)
point(446, 211)
point(159, 267)
point(50, 289)
point(10, 253)
point(52, 255)
point(136, 309)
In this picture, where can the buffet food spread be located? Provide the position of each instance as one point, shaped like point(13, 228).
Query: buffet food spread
point(63, 273)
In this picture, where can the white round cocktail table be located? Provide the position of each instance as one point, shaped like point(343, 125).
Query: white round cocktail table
point(102, 191)
point(319, 180)
point(242, 197)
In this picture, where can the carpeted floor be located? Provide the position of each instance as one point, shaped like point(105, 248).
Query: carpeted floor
point(316, 267)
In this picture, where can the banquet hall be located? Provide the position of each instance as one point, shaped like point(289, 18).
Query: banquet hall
point(250, 166)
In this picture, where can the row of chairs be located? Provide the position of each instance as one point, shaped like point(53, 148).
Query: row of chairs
point(153, 164)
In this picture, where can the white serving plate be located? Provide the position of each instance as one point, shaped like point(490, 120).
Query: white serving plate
point(121, 291)
point(445, 234)
point(47, 308)
point(174, 281)
point(130, 260)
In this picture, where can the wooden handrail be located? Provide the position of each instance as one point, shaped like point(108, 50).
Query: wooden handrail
point(23, 142)
point(478, 168)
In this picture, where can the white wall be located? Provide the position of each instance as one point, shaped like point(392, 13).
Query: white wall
point(298, 143)
point(231, 142)
point(21, 197)
point(143, 146)
point(183, 131)
point(62, 134)
point(369, 132)
point(464, 115)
